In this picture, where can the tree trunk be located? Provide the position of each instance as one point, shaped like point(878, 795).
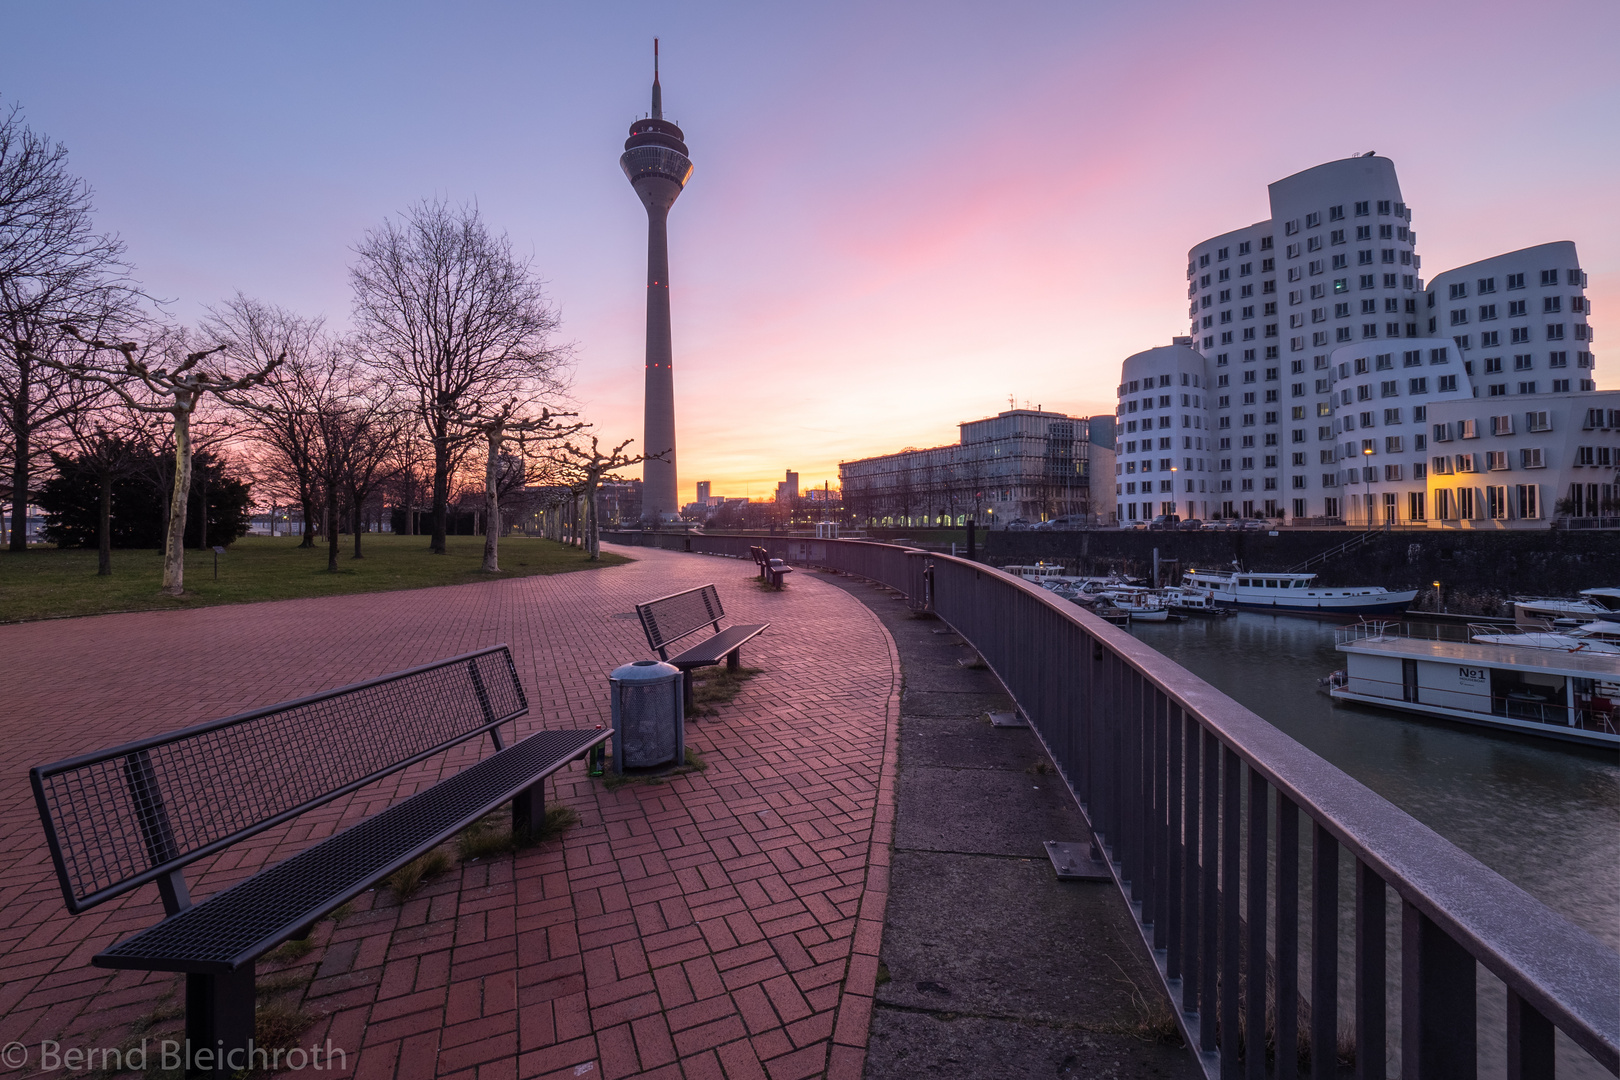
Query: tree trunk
point(306, 500)
point(441, 489)
point(174, 551)
point(492, 508)
point(104, 526)
point(19, 464)
point(331, 520)
point(593, 533)
point(355, 501)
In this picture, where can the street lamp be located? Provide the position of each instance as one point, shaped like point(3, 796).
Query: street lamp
point(1366, 474)
point(1172, 500)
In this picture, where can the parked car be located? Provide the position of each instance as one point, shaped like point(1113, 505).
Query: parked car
point(1165, 521)
point(1191, 524)
point(1018, 525)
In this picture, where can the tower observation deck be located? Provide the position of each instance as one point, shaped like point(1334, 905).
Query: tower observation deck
point(656, 165)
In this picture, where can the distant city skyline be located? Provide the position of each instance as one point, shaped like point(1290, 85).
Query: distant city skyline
point(907, 214)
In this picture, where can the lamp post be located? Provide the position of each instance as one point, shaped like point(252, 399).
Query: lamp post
point(1366, 475)
point(1172, 500)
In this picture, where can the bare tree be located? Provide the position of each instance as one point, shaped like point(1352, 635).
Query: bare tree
point(53, 268)
point(495, 426)
point(380, 436)
point(587, 469)
point(176, 391)
point(282, 412)
point(451, 313)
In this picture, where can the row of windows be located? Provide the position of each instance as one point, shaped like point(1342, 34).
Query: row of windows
point(1550, 305)
point(1520, 335)
point(1550, 279)
point(1336, 213)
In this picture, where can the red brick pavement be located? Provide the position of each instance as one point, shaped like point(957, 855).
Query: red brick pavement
point(723, 923)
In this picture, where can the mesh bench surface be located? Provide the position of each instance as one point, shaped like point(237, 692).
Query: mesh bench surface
point(241, 923)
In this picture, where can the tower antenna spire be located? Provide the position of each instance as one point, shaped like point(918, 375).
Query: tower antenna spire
point(658, 96)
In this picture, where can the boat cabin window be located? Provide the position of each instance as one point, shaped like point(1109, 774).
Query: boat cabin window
point(1270, 584)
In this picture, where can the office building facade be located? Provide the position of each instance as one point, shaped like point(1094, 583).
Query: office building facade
point(1022, 464)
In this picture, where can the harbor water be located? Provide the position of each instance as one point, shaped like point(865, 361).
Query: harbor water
point(1543, 814)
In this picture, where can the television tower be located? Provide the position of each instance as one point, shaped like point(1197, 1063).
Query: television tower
point(656, 164)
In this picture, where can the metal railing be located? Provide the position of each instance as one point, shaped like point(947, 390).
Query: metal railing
point(1333, 553)
point(1204, 809)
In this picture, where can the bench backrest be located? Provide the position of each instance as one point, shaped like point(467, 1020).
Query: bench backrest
point(116, 819)
point(670, 618)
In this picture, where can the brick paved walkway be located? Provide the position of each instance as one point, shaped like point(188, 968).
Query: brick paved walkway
point(725, 923)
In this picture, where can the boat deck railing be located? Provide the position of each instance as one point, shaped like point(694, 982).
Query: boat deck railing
point(1382, 629)
point(1202, 809)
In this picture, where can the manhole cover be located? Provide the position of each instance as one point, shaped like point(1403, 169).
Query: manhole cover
point(622, 615)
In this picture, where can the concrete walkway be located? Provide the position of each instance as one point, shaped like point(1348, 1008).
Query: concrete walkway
point(992, 967)
point(725, 923)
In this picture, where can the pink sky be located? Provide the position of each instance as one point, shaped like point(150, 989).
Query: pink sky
point(900, 215)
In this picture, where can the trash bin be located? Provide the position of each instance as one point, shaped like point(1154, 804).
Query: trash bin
point(649, 716)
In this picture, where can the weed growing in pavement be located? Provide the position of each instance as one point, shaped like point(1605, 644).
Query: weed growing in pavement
point(290, 951)
point(694, 763)
point(408, 878)
point(719, 689)
point(490, 835)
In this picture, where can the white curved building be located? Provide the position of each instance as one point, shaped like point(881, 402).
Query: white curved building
point(1308, 324)
point(1163, 439)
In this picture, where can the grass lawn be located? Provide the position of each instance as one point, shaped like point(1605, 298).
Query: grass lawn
point(45, 583)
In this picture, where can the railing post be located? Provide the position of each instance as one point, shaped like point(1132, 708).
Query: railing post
point(1438, 1008)
point(1209, 958)
point(1156, 838)
point(1287, 938)
point(1174, 849)
point(1192, 948)
point(1529, 1041)
point(1324, 952)
point(1231, 907)
point(1369, 973)
point(1254, 1020)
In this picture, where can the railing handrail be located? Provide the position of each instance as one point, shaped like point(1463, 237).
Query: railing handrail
point(1332, 553)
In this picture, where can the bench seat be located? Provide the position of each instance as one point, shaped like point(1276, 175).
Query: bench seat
point(722, 646)
point(238, 925)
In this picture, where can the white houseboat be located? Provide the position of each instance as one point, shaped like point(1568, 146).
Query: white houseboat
point(1563, 695)
point(1295, 592)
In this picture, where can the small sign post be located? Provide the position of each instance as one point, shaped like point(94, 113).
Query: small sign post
point(218, 551)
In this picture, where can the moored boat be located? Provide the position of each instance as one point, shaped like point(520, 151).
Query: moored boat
point(1185, 600)
point(1139, 603)
point(1295, 592)
point(1539, 691)
point(1592, 604)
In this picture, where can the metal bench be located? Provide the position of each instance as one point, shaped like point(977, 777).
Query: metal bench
point(670, 619)
point(120, 818)
point(772, 570)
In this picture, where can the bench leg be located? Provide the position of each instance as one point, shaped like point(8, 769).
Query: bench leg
point(219, 1016)
point(733, 659)
point(529, 809)
point(687, 683)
